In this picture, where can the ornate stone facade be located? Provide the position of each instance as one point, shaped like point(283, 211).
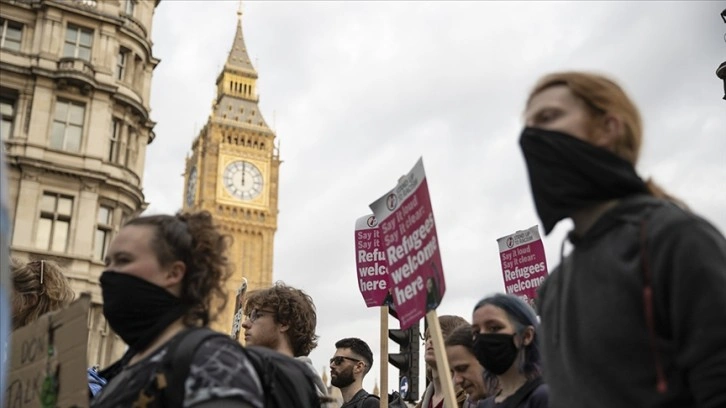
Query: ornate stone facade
point(75, 79)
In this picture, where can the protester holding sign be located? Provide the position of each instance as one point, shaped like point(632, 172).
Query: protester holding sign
point(506, 345)
point(636, 315)
point(166, 274)
point(465, 368)
point(39, 287)
point(433, 396)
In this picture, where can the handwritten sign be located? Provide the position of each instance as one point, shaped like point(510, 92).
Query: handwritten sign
point(523, 263)
point(406, 221)
point(370, 261)
point(48, 360)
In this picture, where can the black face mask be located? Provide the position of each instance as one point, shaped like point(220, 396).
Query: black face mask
point(138, 310)
point(568, 174)
point(496, 352)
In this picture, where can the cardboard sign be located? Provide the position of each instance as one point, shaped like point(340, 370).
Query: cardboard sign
point(406, 221)
point(48, 360)
point(239, 307)
point(523, 263)
point(370, 261)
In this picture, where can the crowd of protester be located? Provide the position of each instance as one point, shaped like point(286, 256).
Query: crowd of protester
point(650, 333)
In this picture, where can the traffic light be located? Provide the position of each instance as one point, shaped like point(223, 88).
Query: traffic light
point(406, 360)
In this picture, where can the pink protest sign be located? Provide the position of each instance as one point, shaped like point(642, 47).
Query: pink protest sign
point(370, 261)
point(523, 263)
point(406, 221)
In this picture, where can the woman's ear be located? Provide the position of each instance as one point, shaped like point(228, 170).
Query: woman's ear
point(609, 131)
point(528, 335)
point(175, 273)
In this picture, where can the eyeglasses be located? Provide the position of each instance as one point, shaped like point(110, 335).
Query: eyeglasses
point(338, 360)
point(256, 314)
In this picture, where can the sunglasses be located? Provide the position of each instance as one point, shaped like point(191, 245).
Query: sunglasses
point(256, 314)
point(338, 360)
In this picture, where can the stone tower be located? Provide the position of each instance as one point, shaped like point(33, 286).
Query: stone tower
point(232, 172)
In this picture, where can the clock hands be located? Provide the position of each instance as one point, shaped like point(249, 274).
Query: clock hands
point(244, 165)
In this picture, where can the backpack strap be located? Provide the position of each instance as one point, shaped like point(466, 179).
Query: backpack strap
point(176, 363)
point(649, 307)
point(362, 400)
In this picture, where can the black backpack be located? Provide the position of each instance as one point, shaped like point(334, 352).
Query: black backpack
point(394, 400)
point(286, 382)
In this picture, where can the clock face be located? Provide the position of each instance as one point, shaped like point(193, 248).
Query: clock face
point(243, 180)
point(191, 186)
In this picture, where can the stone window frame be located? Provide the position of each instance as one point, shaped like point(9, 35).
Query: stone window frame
point(50, 210)
point(104, 231)
point(73, 47)
point(7, 42)
point(67, 122)
point(8, 114)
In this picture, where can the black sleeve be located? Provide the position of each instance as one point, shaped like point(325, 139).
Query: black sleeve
point(689, 272)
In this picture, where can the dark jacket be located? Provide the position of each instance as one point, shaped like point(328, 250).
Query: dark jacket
point(429, 392)
point(534, 396)
point(596, 342)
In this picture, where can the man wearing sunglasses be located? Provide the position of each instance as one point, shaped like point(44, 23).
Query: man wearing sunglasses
point(283, 318)
point(351, 362)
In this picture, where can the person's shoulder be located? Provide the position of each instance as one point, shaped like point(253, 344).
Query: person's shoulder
point(221, 369)
point(222, 348)
point(371, 401)
point(540, 397)
point(663, 215)
point(671, 224)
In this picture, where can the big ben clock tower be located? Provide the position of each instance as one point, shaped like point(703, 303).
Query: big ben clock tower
point(232, 172)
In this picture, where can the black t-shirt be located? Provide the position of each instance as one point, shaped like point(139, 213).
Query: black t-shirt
point(219, 370)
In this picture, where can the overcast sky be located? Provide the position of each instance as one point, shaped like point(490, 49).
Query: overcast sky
point(358, 91)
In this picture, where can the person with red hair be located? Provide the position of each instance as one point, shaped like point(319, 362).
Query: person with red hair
point(635, 315)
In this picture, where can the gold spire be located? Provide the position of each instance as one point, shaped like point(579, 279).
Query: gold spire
point(238, 59)
point(237, 95)
point(376, 391)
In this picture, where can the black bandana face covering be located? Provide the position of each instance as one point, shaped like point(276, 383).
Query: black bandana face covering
point(137, 309)
point(567, 174)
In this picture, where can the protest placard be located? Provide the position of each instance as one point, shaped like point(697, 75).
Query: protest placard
point(48, 360)
point(406, 221)
point(370, 261)
point(523, 263)
point(239, 305)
